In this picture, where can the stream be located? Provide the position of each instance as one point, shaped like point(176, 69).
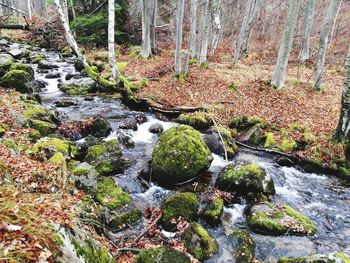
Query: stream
point(324, 199)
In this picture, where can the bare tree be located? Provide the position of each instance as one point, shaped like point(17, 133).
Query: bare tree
point(324, 37)
point(153, 20)
point(308, 22)
point(29, 6)
point(111, 36)
point(179, 25)
point(148, 30)
point(191, 50)
point(64, 6)
point(204, 34)
point(217, 30)
point(286, 44)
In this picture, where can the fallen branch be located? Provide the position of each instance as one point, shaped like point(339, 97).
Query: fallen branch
point(15, 27)
point(98, 8)
point(159, 107)
point(147, 229)
point(266, 150)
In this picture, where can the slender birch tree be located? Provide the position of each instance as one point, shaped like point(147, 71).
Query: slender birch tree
point(29, 6)
point(71, 7)
point(216, 13)
point(204, 34)
point(308, 22)
point(148, 28)
point(286, 44)
point(324, 37)
point(64, 6)
point(191, 50)
point(111, 36)
point(179, 25)
point(153, 20)
point(343, 128)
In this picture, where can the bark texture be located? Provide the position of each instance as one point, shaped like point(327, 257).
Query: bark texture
point(308, 22)
point(191, 50)
point(111, 36)
point(204, 31)
point(179, 24)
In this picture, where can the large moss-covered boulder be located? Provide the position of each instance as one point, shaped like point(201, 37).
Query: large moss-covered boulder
point(199, 120)
point(16, 79)
point(243, 246)
point(105, 157)
point(111, 195)
point(49, 146)
point(213, 211)
point(338, 257)
point(199, 243)
point(180, 155)
point(161, 255)
point(179, 206)
point(80, 86)
point(45, 128)
point(24, 67)
point(39, 112)
point(245, 178)
point(271, 219)
point(6, 61)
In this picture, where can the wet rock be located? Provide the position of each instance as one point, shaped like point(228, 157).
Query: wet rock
point(184, 205)
point(105, 157)
point(285, 161)
point(243, 246)
point(337, 257)
point(141, 118)
point(126, 140)
point(49, 146)
point(84, 145)
point(99, 127)
point(36, 58)
point(71, 75)
point(53, 75)
point(47, 65)
point(19, 53)
point(243, 179)
point(37, 85)
point(5, 43)
point(199, 243)
point(213, 141)
point(156, 128)
point(161, 254)
point(6, 61)
point(65, 103)
point(17, 79)
point(124, 218)
point(79, 65)
point(80, 86)
point(129, 125)
point(271, 219)
point(24, 67)
point(253, 136)
point(199, 120)
point(180, 155)
point(213, 211)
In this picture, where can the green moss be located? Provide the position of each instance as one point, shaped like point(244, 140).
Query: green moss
point(45, 128)
point(193, 61)
point(67, 148)
point(144, 82)
point(9, 143)
point(318, 258)
point(184, 205)
point(204, 65)
point(121, 66)
point(343, 257)
point(180, 155)
point(212, 213)
point(288, 145)
point(60, 160)
point(5, 63)
point(124, 219)
point(24, 67)
point(37, 58)
point(161, 255)
point(110, 195)
point(16, 79)
point(199, 243)
point(198, 120)
point(104, 84)
point(269, 141)
point(229, 141)
point(78, 171)
point(243, 246)
point(74, 90)
point(93, 253)
point(36, 111)
point(233, 86)
point(2, 131)
point(243, 122)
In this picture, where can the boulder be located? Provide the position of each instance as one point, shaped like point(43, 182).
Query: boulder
point(53, 75)
point(179, 205)
point(6, 61)
point(105, 157)
point(24, 67)
point(80, 86)
point(180, 155)
point(243, 123)
point(16, 79)
point(39, 112)
point(243, 246)
point(199, 243)
point(37, 85)
point(156, 128)
point(161, 254)
point(253, 136)
point(213, 211)
point(49, 146)
point(45, 128)
point(47, 65)
point(271, 219)
point(19, 53)
point(214, 142)
point(85, 177)
point(199, 120)
point(128, 125)
point(243, 179)
point(99, 127)
point(338, 257)
point(63, 103)
point(37, 57)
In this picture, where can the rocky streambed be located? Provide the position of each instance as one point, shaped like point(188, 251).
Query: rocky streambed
point(263, 210)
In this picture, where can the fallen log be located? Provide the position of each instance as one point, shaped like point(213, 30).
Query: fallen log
point(19, 27)
point(160, 107)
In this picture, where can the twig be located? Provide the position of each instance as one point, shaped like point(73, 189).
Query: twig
point(147, 229)
point(98, 8)
point(221, 139)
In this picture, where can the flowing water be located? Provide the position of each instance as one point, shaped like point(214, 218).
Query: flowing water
point(324, 199)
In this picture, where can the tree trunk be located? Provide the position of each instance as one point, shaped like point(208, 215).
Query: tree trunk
point(286, 44)
point(191, 50)
point(64, 6)
point(204, 31)
point(71, 7)
point(29, 6)
point(308, 22)
point(146, 50)
point(179, 24)
point(217, 26)
point(343, 128)
point(111, 36)
point(322, 50)
point(242, 43)
point(153, 20)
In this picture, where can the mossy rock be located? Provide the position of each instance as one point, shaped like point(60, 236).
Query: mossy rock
point(37, 57)
point(269, 140)
point(105, 157)
point(161, 255)
point(270, 219)
point(6, 61)
point(338, 257)
point(43, 127)
point(288, 145)
point(111, 195)
point(213, 211)
point(184, 205)
point(252, 136)
point(38, 112)
point(199, 243)
point(50, 146)
point(59, 160)
point(243, 122)
point(92, 253)
point(24, 67)
point(199, 120)
point(243, 246)
point(122, 219)
point(244, 179)
point(16, 79)
point(2, 131)
point(180, 155)
point(85, 177)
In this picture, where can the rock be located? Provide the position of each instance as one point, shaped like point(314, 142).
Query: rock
point(24, 67)
point(80, 86)
point(85, 177)
point(19, 53)
point(37, 85)
point(105, 157)
point(285, 161)
point(252, 136)
point(243, 123)
point(45, 128)
point(141, 118)
point(110, 195)
point(53, 75)
point(6, 61)
point(213, 211)
point(16, 79)
point(37, 112)
point(243, 246)
point(245, 178)
point(79, 65)
point(2, 131)
point(49, 146)
point(47, 65)
point(99, 127)
point(269, 141)
point(125, 217)
point(59, 160)
point(199, 243)
point(156, 128)
point(184, 205)
point(71, 75)
point(338, 257)
point(213, 141)
point(270, 219)
point(199, 120)
point(65, 103)
point(180, 155)
point(161, 254)
point(37, 57)
point(126, 140)
point(128, 125)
